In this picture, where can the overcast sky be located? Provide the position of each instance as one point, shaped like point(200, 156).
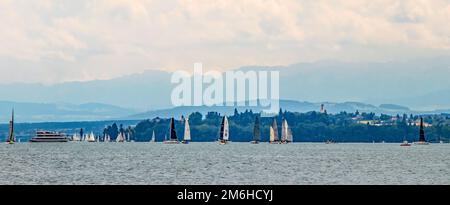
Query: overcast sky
point(51, 41)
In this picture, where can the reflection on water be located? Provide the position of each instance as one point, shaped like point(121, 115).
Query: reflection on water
point(235, 163)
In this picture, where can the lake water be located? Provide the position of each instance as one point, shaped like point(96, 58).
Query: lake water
point(235, 163)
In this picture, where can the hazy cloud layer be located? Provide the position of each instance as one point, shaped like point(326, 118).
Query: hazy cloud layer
point(60, 40)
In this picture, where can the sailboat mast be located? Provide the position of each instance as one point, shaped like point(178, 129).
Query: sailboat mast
point(11, 129)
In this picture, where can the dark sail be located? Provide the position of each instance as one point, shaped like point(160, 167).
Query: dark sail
point(421, 132)
point(222, 128)
point(11, 129)
point(173, 133)
point(256, 130)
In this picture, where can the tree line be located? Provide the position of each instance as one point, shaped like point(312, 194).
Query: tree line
point(306, 127)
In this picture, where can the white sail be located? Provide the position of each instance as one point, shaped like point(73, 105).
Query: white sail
point(284, 128)
point(226, 129)
point(120, 138)
point(153, 137)
point(187, 130)
point(91, 137)
point(272, 134)
point(286, 133)
point(290, 137)
point(75, 138)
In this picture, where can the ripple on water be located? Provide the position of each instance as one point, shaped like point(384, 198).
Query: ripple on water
point(235, 163)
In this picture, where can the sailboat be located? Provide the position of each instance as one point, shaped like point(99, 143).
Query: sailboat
point(224, 133)
point(106, 138)
point(256, 132)
point(187, 132)
point(286, 133)
point(128, 137)
point(120, 137)
point(173, 139)
point(422, 140)
point(274, 133)
point(153, 139)
point(11, 138)
point(76, 138)
point(405, 143)
point(91, 137)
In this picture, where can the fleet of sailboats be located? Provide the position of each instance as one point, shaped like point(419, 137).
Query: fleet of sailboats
point(224, 133)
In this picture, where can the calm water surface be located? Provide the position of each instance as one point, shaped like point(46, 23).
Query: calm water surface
point(235, 163)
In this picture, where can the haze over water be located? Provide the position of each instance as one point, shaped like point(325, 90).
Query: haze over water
point(235, 163)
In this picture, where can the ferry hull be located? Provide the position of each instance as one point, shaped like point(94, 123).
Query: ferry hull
point(49, 140)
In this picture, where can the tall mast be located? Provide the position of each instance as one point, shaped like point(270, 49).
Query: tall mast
point(11, 128)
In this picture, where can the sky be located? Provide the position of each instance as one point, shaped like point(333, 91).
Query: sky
point(52, 41)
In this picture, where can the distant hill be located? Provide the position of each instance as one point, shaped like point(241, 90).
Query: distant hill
point(58, 112)
point(290, 105)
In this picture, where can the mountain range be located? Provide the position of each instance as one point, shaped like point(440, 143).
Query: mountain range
point(58, 112)
point(41, 112)
point(419, 84)
point(290, 105)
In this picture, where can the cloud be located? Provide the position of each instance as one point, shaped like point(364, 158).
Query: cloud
point(84, 40)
